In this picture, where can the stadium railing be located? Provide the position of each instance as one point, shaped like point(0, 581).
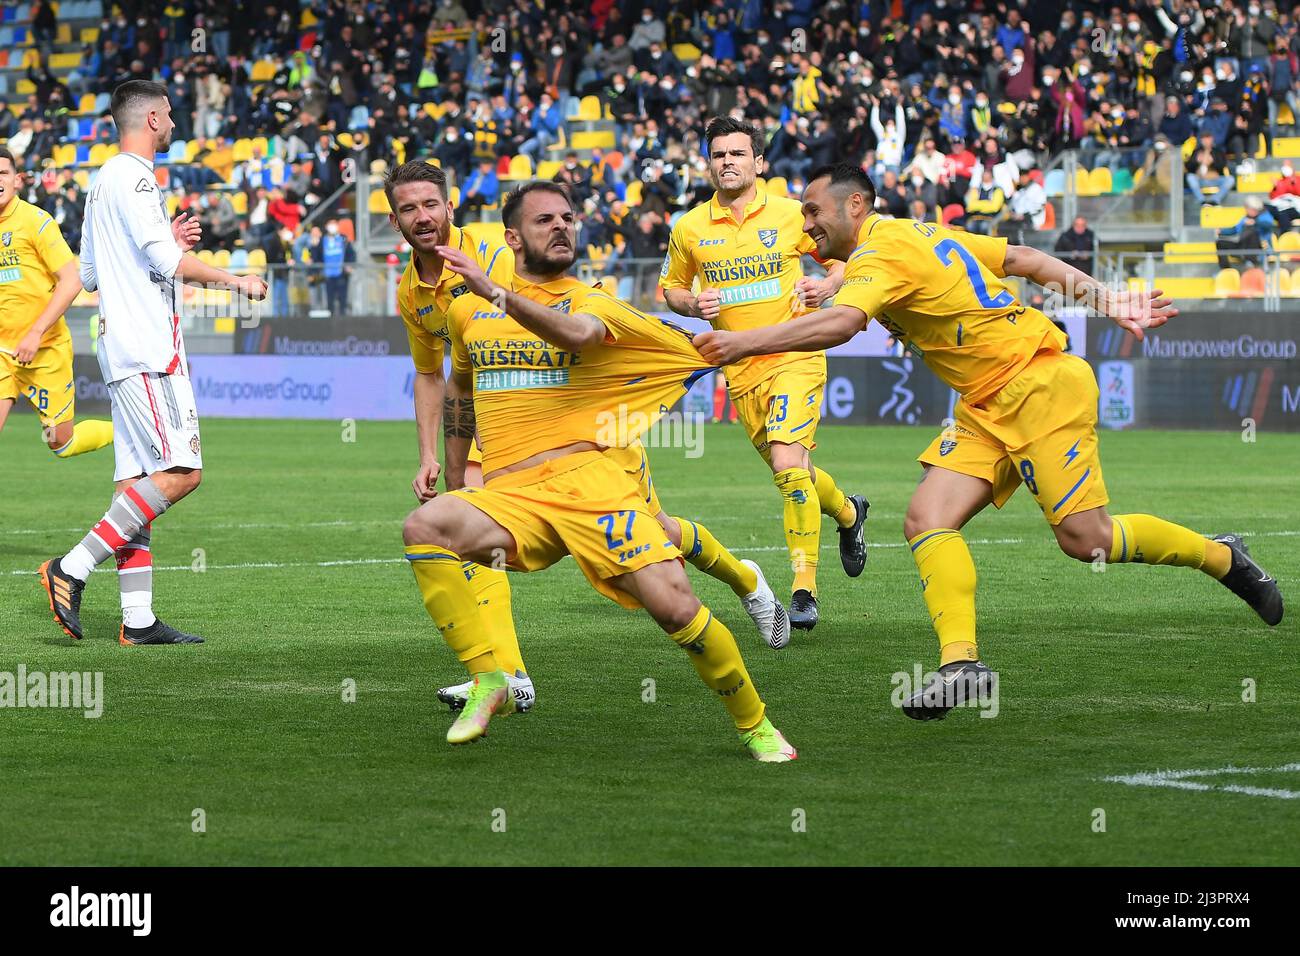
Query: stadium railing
point(1126, 194)
point(1222, 278)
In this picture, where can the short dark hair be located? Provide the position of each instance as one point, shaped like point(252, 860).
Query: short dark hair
point(847, 174)
point(725, 126)
point(414, 171)
point(129, 94)
point(511, 209)
point(6, 154)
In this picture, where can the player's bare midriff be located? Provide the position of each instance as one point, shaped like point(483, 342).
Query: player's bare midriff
point(547, 455)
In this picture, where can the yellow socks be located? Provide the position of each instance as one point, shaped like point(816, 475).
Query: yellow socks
point(948, 584)
point(492, 589)
point(716, 658)
point(86, 436)
point(451, 603)
point(803, 525)
point(834, 503)
point(1146, 539)
point(703, 551)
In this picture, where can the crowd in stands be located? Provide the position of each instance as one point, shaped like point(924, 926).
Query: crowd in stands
point(954, 107)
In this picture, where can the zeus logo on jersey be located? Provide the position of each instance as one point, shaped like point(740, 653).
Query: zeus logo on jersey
point(715, 242)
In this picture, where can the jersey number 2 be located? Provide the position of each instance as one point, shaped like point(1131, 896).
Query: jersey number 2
point(945, 250)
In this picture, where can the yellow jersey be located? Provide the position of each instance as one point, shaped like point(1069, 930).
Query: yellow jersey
point(940, 293)
point(755, 264)
point(32, 250)
point(424, 307)
point(530, 396)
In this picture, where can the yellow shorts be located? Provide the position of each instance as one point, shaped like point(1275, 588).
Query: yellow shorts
point(786, 407)
point(46, 382)
point(475, 454)
point(636, 463)
point(1040, 430)
point(584, 505)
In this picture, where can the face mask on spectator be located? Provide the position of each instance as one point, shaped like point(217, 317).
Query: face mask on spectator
point(954, 98)
point(1048, 80)
point(647, 17)
point(557, 50)
point(1084, 69)
point(332, 229)
point(1254, 11)
point(1185, 76)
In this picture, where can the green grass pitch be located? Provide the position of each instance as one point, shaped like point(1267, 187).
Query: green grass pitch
point(1130, 671)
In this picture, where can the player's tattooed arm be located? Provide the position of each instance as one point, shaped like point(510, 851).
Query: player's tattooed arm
point(458, 428)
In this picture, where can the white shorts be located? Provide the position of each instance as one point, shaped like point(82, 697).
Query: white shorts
point(155, 424)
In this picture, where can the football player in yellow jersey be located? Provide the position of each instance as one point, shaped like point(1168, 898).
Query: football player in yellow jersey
point(544, 381)
point(1027, 413)
point(417, 194)
point(744, 247)
point(38, 280)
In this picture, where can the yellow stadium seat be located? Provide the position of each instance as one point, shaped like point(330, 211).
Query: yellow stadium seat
point(1262, 151)
point(1183, 287)
point(242, 150)
point(64, 34)
point(99, 155)
point(65, 155)
point(777, 186)
point(82, 178)
point(634, 193)
point(239, 202)
point(65, 61)
point(1286, 147)
point(307, 19)
point(89, 35)
point(87, 104)
point(345, 140)
point(192, 149)
point(1221, 217)
point(1256, 182)
point(521, 167)
point(1284, 283)
point(1083, 183)
point(257, 260)
point(1289, 243)
point(599, 139)
point(686, 52)
point(547, 168)
point(263, 70)
point(1284, 115)
point(173, 203)
point(1227, 282)
point(221, 259)
point(379, 202)
point(1188, 253)
point(1189, 147)
point(589, 108)
point(454, 197)
point(25, 88)
point(205, 256)
point(1099, 181)
point(261, 145)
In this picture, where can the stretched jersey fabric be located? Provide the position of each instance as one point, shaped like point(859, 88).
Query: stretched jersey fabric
point(530, 396)
point(129, 255)
point(755, 264)
point(32, 250)
point(424, 306)
point(940, 293)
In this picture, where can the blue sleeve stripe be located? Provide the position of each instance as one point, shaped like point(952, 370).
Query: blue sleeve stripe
point(43, 225)
point(635, 380)
point(1057, 507)
point(494, 261)
point(432, 557)
point(804, 425)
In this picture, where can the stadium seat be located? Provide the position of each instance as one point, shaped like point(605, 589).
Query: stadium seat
point(192, 150)
point(1227, 282)
point(1262, 151)
point(1190, 253)
point(952, 211)
point(1284, 115)
point(1289, 242)
point(1185, 287)
point(239, 202)
point(686, 52)
point(89, 35)
point(1054, 183)
point(1253, 283)
point(99, 155)
point(256, 260)
point(379, 202)
point(598, 139)
point(65, 155)
point(634, 189)
point(1122, 182)
point(242, 151)
point(521, 167)
point(453, 198)
point(1255, 182)
point(173, 203)
point(176, 152)
point(1221, 217)
point(1083, 183)
point(778, 186)
point(64, 61)
point(1286, 147)
point(86, 104)
point(1284, 283)
point(589, 109)
point(547, 168)
point(239, 260)
point(1100, 181)
point(348, 230)
point(82, 178)
point(205, 256)
point(221, 259)
point(263, 70)
point(162, 176)
point(1049, 216)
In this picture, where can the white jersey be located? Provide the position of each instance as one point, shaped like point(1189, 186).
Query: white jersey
point(129, 255)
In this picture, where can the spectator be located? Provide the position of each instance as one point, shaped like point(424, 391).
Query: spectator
point(1284, 197)
point(481, 189)
point(544, 129)
point(1175, 124)
point(1028, 206)
point(335, 253)
point(1077, 246)
point(45, 27)
point(984, 203)
point(890, 137)
point(1208, 167)
point(1253, 234)
point(576, 176)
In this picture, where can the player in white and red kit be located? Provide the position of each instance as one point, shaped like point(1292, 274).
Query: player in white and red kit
point(135, 258)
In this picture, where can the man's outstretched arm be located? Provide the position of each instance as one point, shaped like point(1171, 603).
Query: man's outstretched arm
point(809, 333)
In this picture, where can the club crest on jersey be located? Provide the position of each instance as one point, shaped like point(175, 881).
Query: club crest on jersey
point(767, 237)
point(564, 306)
point(947, 445)
point(459, 290)
point(7, 238)
point(194, 444)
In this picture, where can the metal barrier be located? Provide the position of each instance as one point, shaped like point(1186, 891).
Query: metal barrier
point(1235, 279)
point(1127, 195)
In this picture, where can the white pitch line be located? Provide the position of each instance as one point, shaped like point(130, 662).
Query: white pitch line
point(1183, 780)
